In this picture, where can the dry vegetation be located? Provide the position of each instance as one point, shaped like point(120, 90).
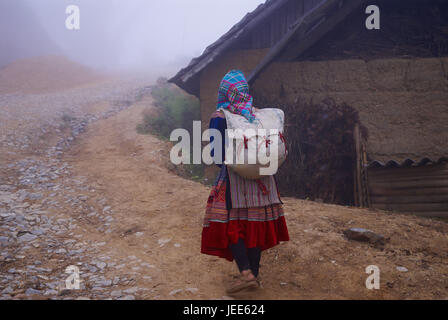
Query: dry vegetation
point(321, 149)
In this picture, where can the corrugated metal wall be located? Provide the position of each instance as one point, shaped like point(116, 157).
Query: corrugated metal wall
point(274, 28)
point(421, 190)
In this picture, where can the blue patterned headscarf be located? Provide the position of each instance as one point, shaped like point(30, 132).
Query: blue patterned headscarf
point(234, 96)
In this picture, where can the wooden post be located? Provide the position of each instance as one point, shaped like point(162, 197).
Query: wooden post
point(355, 186)
point(358, 166)
point(366, 177)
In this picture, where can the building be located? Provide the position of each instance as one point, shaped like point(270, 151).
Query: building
point(396, 78)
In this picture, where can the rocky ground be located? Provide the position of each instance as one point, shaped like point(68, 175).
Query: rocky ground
point(79, 187)
point(40, 201)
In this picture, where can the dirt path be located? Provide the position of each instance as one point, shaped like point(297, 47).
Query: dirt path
point(106, 203)
point(151, 206)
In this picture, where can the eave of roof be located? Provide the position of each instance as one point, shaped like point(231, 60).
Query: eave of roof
point(188, 77)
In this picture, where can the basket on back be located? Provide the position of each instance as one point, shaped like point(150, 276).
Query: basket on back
point(259, 148)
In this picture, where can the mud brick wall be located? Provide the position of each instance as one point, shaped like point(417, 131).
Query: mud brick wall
point(402, 102)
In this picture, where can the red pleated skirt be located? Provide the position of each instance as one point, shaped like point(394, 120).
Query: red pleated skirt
point(217, 236)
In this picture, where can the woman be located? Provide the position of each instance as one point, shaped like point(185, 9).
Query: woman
point(243, 217)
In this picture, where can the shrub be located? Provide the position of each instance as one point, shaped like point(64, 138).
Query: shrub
point(175, 109)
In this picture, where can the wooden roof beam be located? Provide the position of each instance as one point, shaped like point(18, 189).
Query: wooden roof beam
point(307, 31)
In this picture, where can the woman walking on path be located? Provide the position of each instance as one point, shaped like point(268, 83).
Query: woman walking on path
point(243, 217)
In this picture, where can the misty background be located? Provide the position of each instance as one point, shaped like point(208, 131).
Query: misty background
point(118, 35)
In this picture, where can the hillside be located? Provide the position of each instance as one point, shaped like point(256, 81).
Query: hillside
point(45, 74)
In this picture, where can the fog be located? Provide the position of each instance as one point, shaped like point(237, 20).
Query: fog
point(136, 35)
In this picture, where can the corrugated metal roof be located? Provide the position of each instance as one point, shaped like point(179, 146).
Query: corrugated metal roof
point(406, 163)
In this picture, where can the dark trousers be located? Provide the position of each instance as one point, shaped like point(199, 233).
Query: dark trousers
point(246, 258)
